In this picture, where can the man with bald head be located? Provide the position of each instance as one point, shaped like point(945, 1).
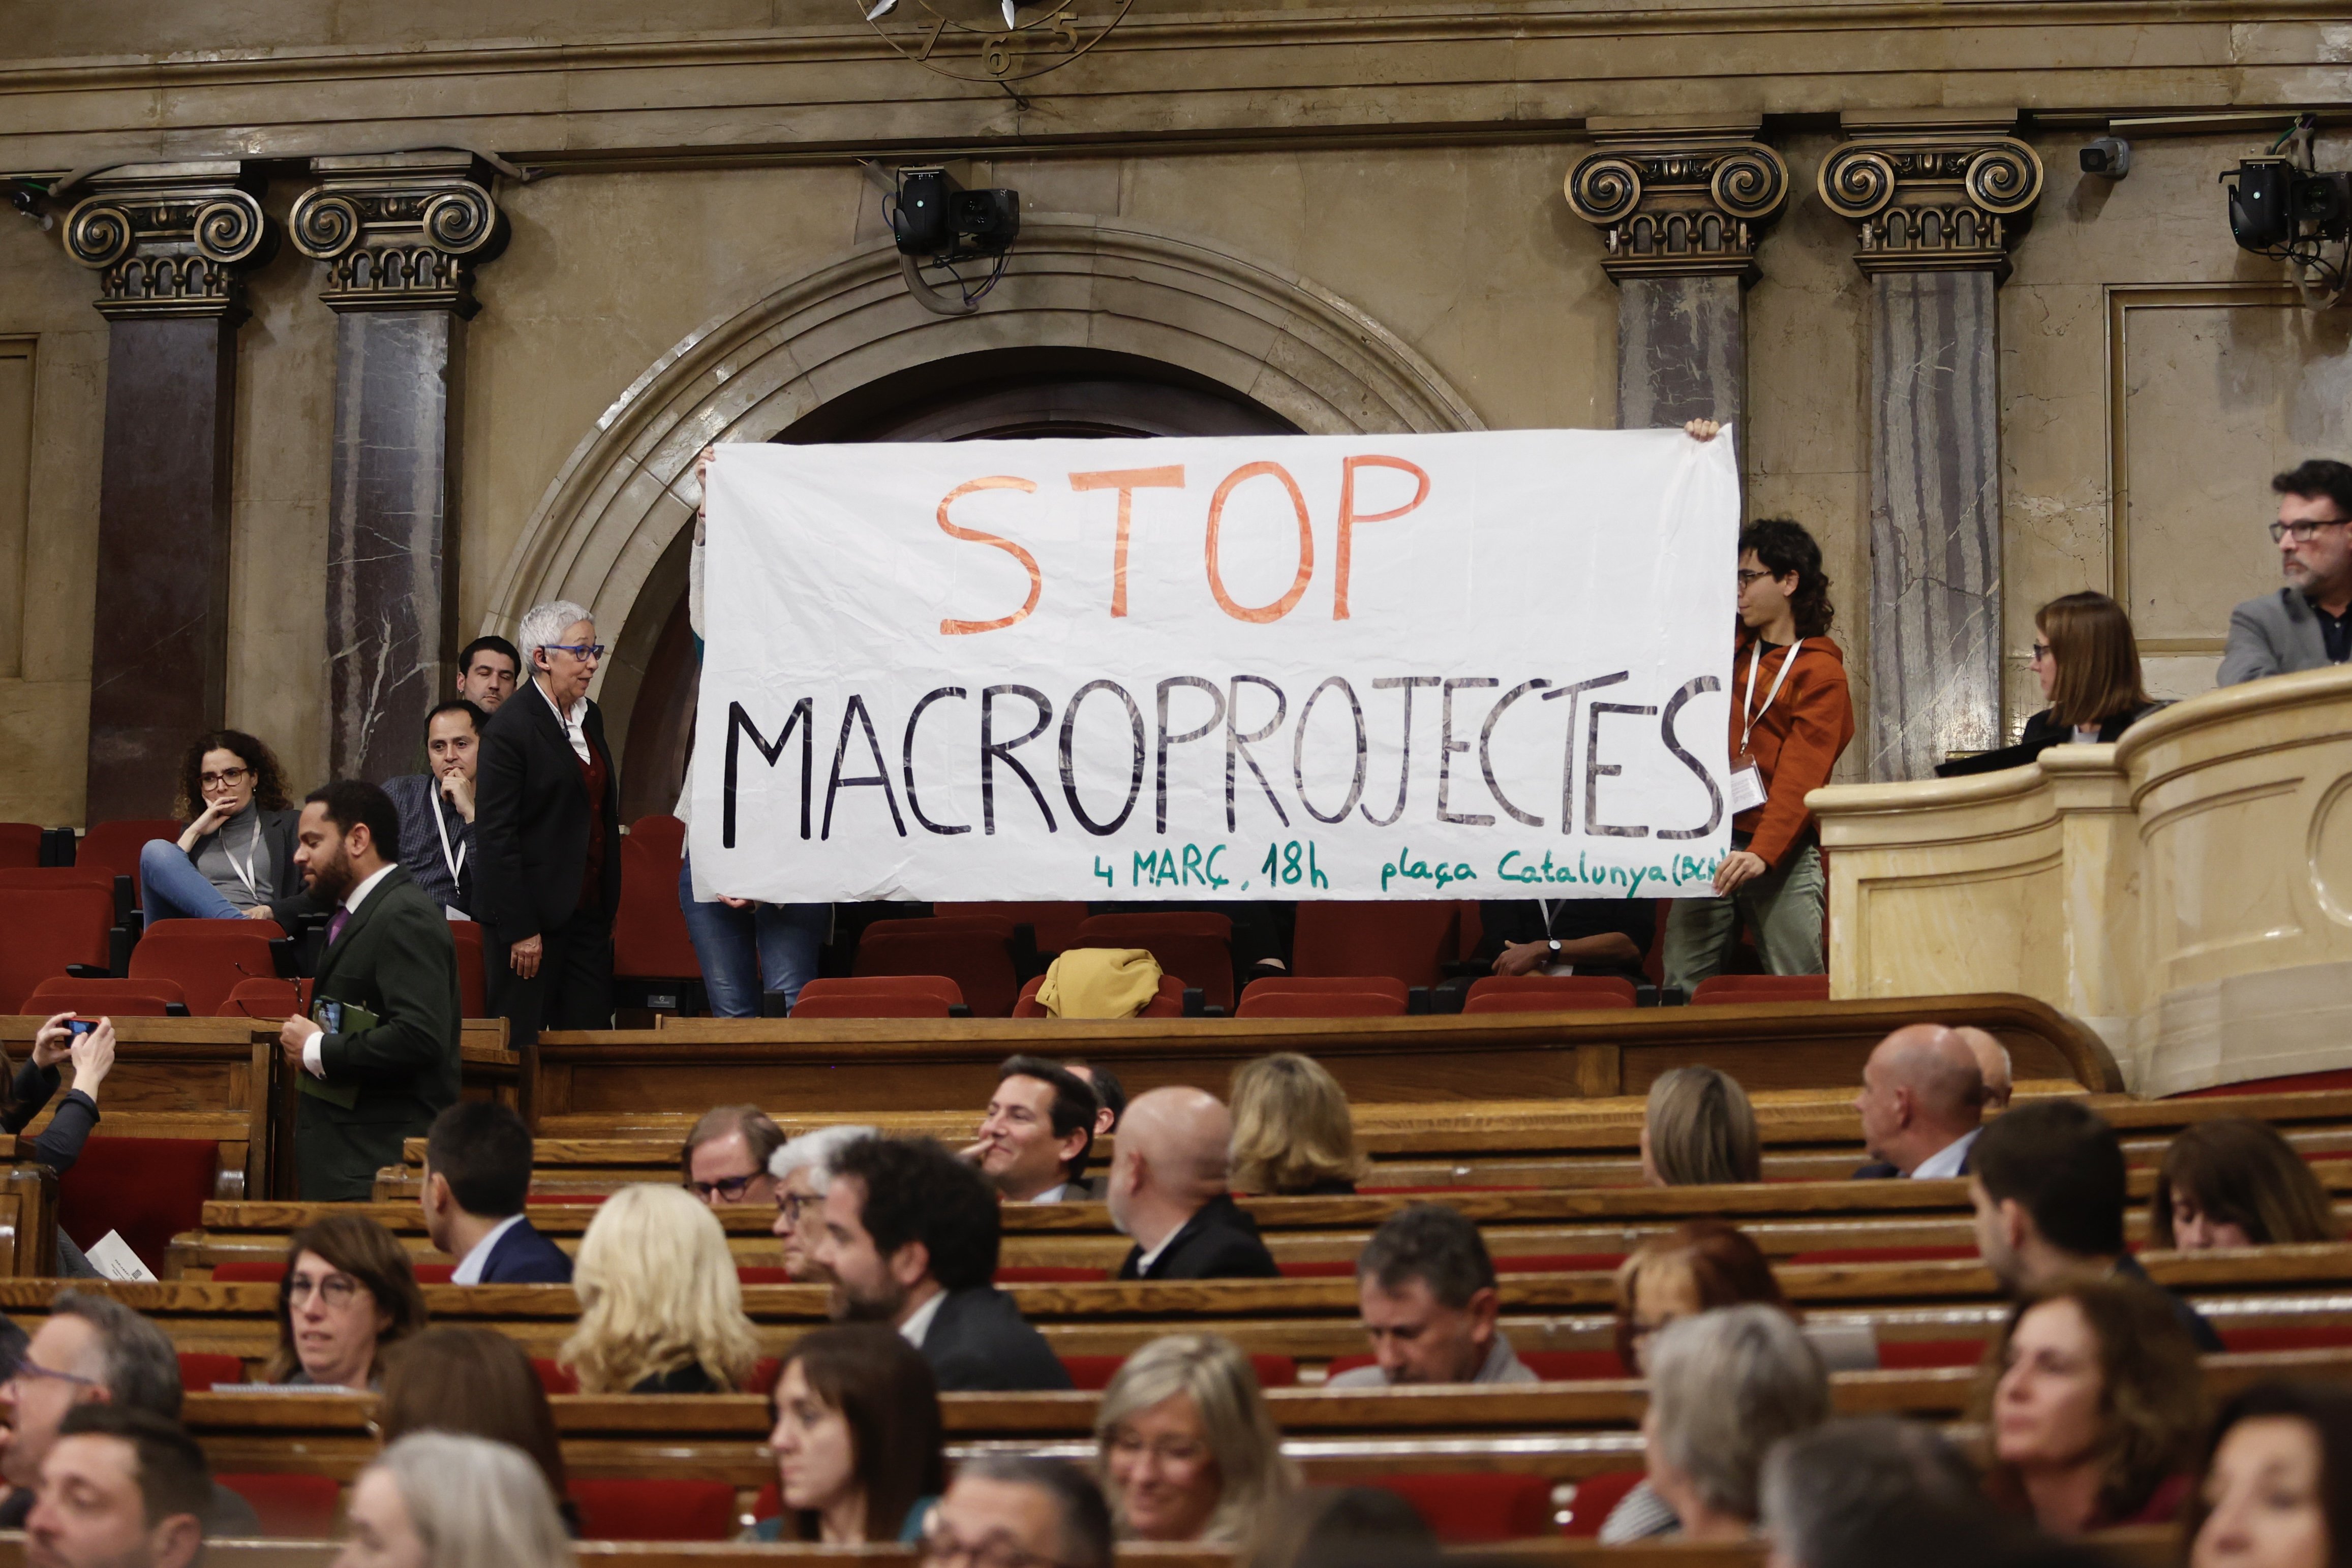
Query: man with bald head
point(1168, 1190)
point(1992, 1060)
point(1922, 1104)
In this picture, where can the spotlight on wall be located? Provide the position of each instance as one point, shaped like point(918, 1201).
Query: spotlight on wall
point(2283, 206)
point(939, 225)
point(2109, 157)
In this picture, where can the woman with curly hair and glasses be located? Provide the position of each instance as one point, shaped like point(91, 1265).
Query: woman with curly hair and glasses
point(348, 1295)
point(235, 856)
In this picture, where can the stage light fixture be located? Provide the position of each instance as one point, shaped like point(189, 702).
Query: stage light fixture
point(939, 223)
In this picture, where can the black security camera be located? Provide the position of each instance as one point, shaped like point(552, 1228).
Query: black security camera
point(2108, 157)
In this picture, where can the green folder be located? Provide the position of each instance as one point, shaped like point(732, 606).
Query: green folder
point(356, 1019)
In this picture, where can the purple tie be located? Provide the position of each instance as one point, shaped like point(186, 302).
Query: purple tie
point(335, 926)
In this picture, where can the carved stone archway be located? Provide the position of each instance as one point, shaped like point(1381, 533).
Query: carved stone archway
point(1112, 284)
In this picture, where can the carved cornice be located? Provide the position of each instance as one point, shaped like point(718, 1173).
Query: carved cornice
point(171, 239)
point(1933, 200)
point(399, 231)
point(1679, 206)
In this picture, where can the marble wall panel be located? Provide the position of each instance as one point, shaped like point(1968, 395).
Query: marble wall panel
point(1681, 351)
point(17, 371)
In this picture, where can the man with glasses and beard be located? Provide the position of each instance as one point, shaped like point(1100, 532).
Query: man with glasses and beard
point(908, 1236)
point(2307, 624)
point(377, 1058)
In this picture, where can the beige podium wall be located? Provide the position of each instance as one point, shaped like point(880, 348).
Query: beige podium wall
point(2187, 892)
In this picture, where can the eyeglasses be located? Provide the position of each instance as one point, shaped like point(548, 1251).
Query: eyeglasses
point(335, 1290)
point(2041, 651)
point(225, 776)
point(1747, 577)
point(27, 1370)
point(940, 1544)
point(793, 1205)
point(2304, 531)
point(730, 1190)
point(577, 650)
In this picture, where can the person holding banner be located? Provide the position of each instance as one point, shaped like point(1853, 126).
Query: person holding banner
point(1791, 716)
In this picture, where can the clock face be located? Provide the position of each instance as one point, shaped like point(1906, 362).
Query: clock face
point(993, 40)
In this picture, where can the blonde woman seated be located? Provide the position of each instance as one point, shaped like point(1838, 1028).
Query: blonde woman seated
point(1723, 1388)
point(1698, 1131)
point(661, 1308)
point(1186, 1448)
point(1292, 1132)
point(436, 1500)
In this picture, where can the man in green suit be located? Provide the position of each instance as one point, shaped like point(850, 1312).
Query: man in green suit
point(377, 1058)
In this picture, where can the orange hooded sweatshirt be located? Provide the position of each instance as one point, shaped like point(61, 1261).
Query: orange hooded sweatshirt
point(1796, 741)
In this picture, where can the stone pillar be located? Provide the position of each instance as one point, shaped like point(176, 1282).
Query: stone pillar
point(1936, 206)
point(401, 233)
point(171, 243)
point(1680, 208)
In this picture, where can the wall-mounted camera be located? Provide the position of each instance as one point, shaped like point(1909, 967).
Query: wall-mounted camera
point(2283, 207)
point(940, 225)
point(2109, 158)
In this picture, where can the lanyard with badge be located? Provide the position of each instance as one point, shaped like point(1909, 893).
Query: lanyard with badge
point(455, 862)
point(245, 873)
point(1748, 779)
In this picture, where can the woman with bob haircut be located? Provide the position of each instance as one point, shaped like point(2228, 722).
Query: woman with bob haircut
point(439, 1499)
point(1292, 1132)
point(1186, 1448)
point(1723, 1388)
point(236, 857)
point(2236, 1183)
point(2093, 1404)
point(2087, 660)
point(348, 1294)
point(1699, 1131)
point(661, 1307)
point(858, 1439)
point(2275, 1487)
point(478, 1383)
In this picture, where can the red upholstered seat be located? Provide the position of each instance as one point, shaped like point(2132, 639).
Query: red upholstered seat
point(1257, 1004)
point(1094, 1372)
point(110, 998)
point(58, 876)
point(1368, 985)
point(20, 844)
point(1049, 1274)
point(150, 1189)
point(1473, 1510)
point(208, 957)
point(1168, 1004)
point(43, 930)
point(2287, 1083)
point(1883, 1254)
point(1725, 990)
point(649, 935)
point(433, 1273)
point(1595, 1497)
point(1317, 1269)
point(200, 1369)
point(554, 1379)
point(661, 832)
point(1912, 1354)
point(264, 999)
point(1196, 946)
point(1408, 941)
point(115, 845)
point(2317, 1336)
point(655, 1510)
point(291, 1507)
point(473, 980)
point(1547, 993)
point(879, 997)
point(1055, 924)
point(761, 1274)
point(975, 951)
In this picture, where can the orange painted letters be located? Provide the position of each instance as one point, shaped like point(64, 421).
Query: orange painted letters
point(974, 535)
point(1289, 600)
point(1126, 482)
point(1344, 553)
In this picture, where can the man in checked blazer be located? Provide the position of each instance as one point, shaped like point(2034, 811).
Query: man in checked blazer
point(378, 1057)
point(547, 825)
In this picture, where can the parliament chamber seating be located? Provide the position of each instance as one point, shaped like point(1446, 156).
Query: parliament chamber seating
point(1174, 1000)
point(1053, 926)
point(654, 962)
point(150, 1189)
point(1720, 990)
point(973, 950)
point(881, 997)
point(114, 848)
point(1264, 999)
point(151, 997)
point(1546, 993)
point(1195, 946)
point(209, 958)
point(278, 999)
point(1407, 940)
point(44, 931)
point(20, 844)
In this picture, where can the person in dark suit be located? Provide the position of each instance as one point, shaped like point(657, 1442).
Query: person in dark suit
point(377, 1059)
point(2088, 664)
point(476, 1175)
point(910, 1237)
point(1169, 1191)
point(1922, 1105)
point(547, 824)
point(1567, 935)
point(437, 806)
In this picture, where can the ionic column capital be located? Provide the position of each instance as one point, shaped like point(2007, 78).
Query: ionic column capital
point(171, 239)
point(399, 231)
point(1678, 201)
point(1933, 196)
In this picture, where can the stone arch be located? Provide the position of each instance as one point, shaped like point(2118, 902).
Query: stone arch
point(603, 525)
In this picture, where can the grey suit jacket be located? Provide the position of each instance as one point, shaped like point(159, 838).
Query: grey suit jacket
point(2274, 636)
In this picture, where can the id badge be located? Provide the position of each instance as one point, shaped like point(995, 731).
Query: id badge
point(1747, 787)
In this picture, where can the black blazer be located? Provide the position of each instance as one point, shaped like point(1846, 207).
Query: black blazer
point(396, 958)
point(978, 1342)
point(530, 820)
point(2042, 733)
point(1219, 1242)
point(524, 1257)
point(1502, 920)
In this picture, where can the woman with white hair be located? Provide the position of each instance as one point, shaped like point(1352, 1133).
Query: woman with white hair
point(803, 1170)
point(547, 825)
point(1723, 1388)
point(1186, 1448)
point(661, 1308)
point(435, 1500)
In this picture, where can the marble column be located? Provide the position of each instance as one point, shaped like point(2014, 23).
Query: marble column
point(171, 243)
point(1936, 206)
point(1680, 206)
point(401, 233)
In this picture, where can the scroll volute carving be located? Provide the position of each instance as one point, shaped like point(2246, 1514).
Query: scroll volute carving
point(171, 239)
point(1682, 206)
point(401, 232)
point(1934, 202)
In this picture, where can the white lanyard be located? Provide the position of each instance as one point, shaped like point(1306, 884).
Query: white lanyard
point(1755, 660)
point(455, 862)
point(252, 854)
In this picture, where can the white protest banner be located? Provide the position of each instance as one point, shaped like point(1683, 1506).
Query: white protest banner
point(1489, 665)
